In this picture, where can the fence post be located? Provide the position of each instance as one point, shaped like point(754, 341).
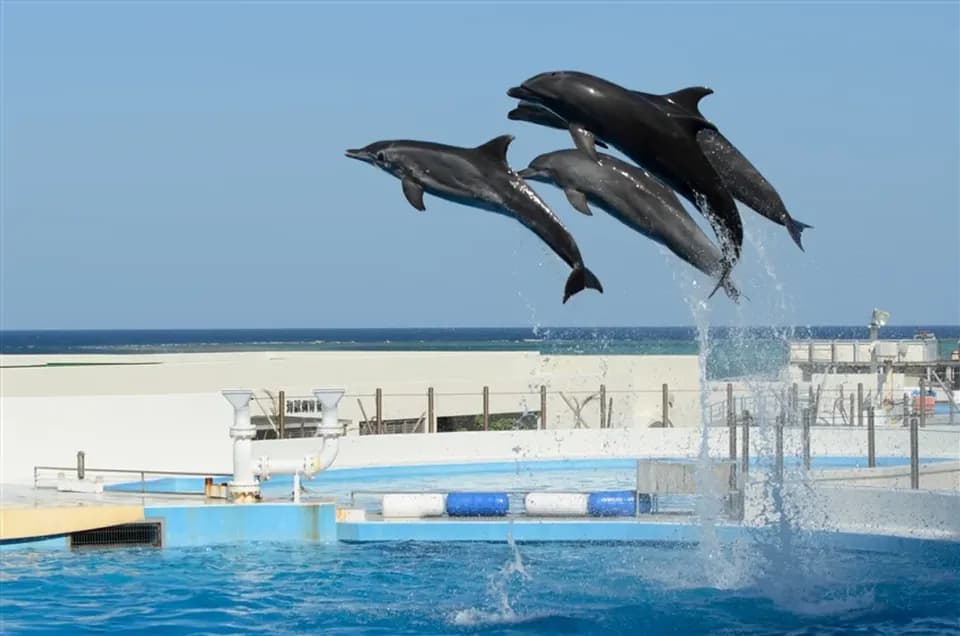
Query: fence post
point(860, 404)
point(665, 406)
point(806, 422)
point(745, 448)
point(486, 408)
point(603, 406)
point(778, 427)
point(81, 464)
point(915, 444)
point(871, 439)
point(732, 421)
point(431, 421)
point(282, 414)
point(379, 407)
point(543, 407)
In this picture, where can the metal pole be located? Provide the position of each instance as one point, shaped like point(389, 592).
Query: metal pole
point(860, 404)
point(914, 454)
point(431, 421)
point(543, 407)
point(871, 439)
point(486, 408)
point(807, 416)
point(851, 409)
point(778, 466)
point(379, 407)
point(923, 403)
point(282, 414)
point(603, 407)
point(906, 410)
point(731, 421)
point(81, 464)
point(665, 406)
point(745, 449)
point(794, 404)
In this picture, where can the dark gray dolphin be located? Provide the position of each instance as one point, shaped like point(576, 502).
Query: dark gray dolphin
point(478, 177)
point(635, 198)
point(664, 145)
point(744, 181)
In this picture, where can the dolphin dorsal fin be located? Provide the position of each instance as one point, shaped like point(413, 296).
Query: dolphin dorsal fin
point(689, 98)
point(496, 148)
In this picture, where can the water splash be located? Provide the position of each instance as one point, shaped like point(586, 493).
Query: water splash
point(498, 589)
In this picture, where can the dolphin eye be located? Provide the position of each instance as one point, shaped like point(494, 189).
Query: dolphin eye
point(380, 156)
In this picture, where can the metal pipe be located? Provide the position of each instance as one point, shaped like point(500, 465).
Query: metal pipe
point(603, 407)
point(543, 407)
point(923, 403)
point(745, 448)
point(914, 454)
point(81, 464)
point(244, 485)
point(871, 439)
point(805, 436)
point(731, 421)
point(778, 466)
point(860, 404)
point(378, 400)
point(665, 406)
point(431, 422)
point(282, 414)
point(486, 408)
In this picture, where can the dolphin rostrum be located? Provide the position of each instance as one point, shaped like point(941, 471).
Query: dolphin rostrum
point(478, 177)
point(664, 145)
point(635, 198)
point(744, 181)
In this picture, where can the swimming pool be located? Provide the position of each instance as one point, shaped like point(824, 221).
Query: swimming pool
point(489, 588)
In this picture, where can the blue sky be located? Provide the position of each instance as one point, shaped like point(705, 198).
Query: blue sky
point(181, 164)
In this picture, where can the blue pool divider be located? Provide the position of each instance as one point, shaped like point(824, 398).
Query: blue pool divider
point(477, 504)
point(616, 503)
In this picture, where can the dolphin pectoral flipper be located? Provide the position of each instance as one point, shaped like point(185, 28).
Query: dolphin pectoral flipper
point(584, 140)
point(578, 200)
point(414, 193)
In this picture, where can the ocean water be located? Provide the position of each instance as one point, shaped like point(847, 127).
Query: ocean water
point(734, 352)
point(473, 588)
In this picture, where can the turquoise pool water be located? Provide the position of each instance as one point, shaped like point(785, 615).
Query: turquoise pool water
point(491, 588)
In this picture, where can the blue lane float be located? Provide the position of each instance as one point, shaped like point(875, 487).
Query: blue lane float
point(616, 503)
point(477, 504)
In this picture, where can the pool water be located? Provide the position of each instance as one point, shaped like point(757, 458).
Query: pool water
point(484, 588)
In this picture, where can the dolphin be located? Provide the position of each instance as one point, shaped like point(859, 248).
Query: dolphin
point(664, 145)
point(635, 198)
point(744, 181)
point(478, 177)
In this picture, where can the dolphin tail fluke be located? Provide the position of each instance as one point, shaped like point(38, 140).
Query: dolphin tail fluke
point(795, 227)
point(728, 287)
point(580, 278)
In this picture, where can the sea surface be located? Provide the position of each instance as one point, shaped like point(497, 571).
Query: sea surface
point(733, 352)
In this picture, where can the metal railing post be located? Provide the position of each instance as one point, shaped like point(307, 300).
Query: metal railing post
point(81, 464)
point(778, 429)
point(871, 439)
point(431, 420)
point(543, 407)
point(794, 405)
point(805, 435)
point(914, 454)
point(745, 448)
point(603, 406)
point(486, 408)
point(379, 407)
point(731, 421)
point(282, 414)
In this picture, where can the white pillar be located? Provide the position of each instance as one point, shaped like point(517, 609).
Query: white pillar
point(244, 486)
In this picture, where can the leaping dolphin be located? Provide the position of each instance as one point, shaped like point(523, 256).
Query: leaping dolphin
point(635, 198)
point(742, 179)
point(665, 146)
point(478, 177)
